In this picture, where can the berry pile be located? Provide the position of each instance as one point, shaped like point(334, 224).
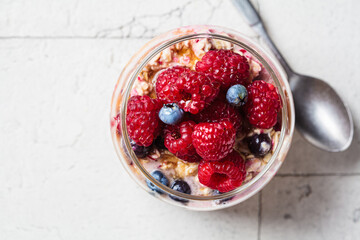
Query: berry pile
point(197, 115)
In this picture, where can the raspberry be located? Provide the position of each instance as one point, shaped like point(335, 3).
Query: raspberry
point(224, 175)
point(178, 140)
point(198, 90)
point(213, 141)
point(142, 119)
point(191, 90)
point(222, 95)
point(166, 89)
point(226, 66)
point(220, 111)
point(263, 104)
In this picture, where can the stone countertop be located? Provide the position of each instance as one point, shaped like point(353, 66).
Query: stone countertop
point(59, 175)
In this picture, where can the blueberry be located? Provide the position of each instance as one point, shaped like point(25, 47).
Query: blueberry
point(221, 201)
point(171, 113)
point(259, 144)
point(237, 95)
point(180, 186)
point(140, 151)
point(159, 176)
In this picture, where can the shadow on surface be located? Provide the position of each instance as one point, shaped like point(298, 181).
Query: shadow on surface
point(315, 193)
point(303, 158)
point(318, 207)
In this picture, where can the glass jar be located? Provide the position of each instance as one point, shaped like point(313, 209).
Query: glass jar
point(123, 90)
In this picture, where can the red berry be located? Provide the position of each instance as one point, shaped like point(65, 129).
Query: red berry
point(220, 111)
point(197, 91)
point(226, 66)
point(142, 119)
point(222, 95)
point(263, 104)
point(213, 141)
point(178, 140)
point(191, 90)
point(166, 89)
point(224, 175)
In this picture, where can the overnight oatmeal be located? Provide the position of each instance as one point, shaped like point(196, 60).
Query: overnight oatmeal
point(203, 117)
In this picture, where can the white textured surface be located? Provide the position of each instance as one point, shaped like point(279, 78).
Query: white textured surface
point(59, 176)
point(314, 207)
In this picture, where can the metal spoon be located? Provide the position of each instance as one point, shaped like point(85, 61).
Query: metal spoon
point(322, 118)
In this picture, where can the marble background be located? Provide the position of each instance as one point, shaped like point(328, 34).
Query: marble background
point(59, 175)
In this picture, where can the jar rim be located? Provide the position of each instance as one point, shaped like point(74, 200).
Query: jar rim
point(253, 52)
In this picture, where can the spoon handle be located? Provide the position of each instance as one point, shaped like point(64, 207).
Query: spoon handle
point(253, 19)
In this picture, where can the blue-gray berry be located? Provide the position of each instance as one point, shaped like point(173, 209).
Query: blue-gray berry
point(237, 95)
point(159, 176)
point(180, 186)
point(140, 151)
point(171, 113)
point(259, 144)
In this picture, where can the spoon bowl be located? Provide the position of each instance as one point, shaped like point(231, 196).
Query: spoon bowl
point(321, 116)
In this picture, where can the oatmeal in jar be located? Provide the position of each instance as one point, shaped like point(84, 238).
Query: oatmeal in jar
point(203, 117)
